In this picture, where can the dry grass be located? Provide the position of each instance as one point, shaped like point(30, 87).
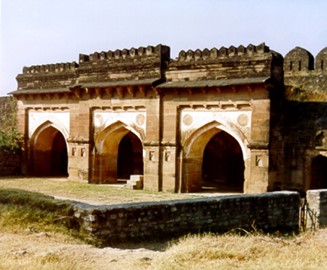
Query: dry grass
point(82, 191)
point(306, 251)
point(45, 247)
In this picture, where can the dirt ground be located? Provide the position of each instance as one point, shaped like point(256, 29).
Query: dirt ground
point(39, 250)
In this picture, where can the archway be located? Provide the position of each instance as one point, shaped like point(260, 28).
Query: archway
point(214, 159)
point(222, 164)
point(50, 155)
point(130, 158)
point(318, 172)
point(118, 154)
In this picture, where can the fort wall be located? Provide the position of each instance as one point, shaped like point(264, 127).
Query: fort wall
point(283, 101)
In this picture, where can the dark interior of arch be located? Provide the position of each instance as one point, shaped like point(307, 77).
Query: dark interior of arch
point(130, 158)
point(223, 164)
point(50, 154)
point(319, 173)
point(59, 157)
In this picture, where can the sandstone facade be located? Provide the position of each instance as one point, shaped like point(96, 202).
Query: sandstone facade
point(207, 120)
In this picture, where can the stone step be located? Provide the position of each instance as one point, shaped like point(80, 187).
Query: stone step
point(135, 182)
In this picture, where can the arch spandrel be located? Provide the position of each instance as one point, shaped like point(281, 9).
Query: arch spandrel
point(200, 137)
point(237, 123)
point(106, 157)
point(116, 131)
point(39, 119)
point(45, 125)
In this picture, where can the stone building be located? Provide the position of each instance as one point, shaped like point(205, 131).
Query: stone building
point(219, 119)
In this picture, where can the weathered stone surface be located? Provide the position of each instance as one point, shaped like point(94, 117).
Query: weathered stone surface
point(103, 225)
point(316, 214)
point(269, 111)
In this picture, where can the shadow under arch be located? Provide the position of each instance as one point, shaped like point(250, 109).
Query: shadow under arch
point(318, 172)
point(214, 159)
point(118, 154)
point(49, 151)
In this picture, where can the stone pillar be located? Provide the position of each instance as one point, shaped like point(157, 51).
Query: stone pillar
point(151, 146)
point(260, 128)
point(168, 151)
point(169, 168)
point(79, 141)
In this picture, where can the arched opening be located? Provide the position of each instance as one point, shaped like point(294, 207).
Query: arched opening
point(222, 164)
point(130, 158)
point(319, 172)
point(118, 155)
point(50, 156)
point(213, 160)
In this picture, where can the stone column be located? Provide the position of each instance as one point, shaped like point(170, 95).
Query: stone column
point(151, 146)
point(260, 128)
point(168, 151)
point(79, 141)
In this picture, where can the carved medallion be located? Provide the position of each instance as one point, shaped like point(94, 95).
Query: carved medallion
point(243, 120)
point(187, 119)
point(140, 119)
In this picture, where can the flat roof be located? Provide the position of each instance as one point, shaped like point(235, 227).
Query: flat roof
point(213, 83)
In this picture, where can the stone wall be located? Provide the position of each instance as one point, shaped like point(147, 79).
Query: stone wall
point(316, 214)
point(103, 225)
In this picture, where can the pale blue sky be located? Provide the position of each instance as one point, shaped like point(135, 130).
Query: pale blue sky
point(46, 31)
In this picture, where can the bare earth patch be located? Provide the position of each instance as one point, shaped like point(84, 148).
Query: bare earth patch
point(34, 250)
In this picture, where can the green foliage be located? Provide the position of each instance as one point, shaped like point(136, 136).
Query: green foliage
point(11, 141)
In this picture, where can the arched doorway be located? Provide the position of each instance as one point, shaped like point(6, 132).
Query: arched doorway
point(118, 154)
point(214, 160)
point(130, 158)
point(222, 164)
point(318, 172)
point(49, 152)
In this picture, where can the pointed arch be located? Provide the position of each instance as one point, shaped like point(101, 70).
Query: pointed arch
point(208, 130)
point(198, 148)
point(49, 151)
point(119, 153)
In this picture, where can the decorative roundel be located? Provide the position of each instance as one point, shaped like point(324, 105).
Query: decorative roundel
point(187, 119)
point(243, 120)
point(140, 119)
point(99, 119)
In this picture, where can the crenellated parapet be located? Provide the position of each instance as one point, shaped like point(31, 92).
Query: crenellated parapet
point(126, 55)
point(305, 75)
point(299, 61)
point(121, 65)
point(51, 68)
point(321, 61)
point(222, 53)
point(51, 76)
point(226, 63)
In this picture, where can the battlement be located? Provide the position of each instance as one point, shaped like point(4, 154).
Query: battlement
point(299, 61)
point(127, 54)
point(222, 53)
point(51, 68)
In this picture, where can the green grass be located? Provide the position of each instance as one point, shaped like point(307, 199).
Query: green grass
point(21, 210)
point(82, 191)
